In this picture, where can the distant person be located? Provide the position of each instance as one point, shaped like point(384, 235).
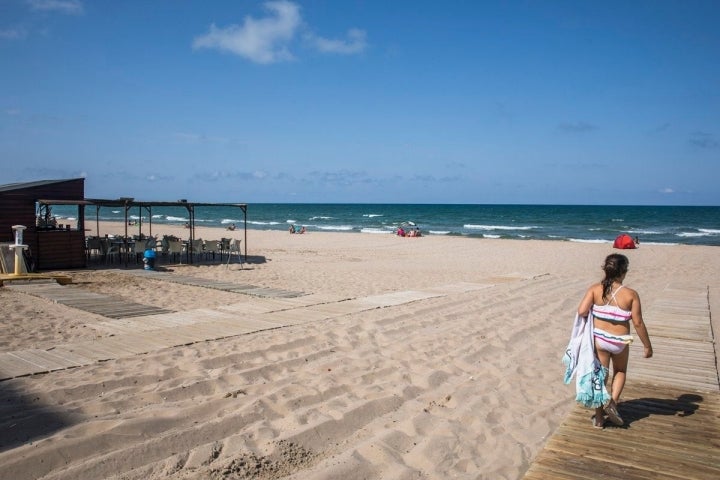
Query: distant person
point(610, 306)
point(400, 232)
point(637, 240)
point(291, 229)
point(231, 227)
point(302, 230)
point(187, 224)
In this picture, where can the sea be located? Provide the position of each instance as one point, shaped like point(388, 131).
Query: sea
point(686, 225)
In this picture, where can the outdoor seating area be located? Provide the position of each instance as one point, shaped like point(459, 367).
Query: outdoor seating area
point(168, 249)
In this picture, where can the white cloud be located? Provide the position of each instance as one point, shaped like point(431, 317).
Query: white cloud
point(263, 40)
point(70, 7)
point(13, 33)
point(355, 43)
point(667, 190)
point(267, 40)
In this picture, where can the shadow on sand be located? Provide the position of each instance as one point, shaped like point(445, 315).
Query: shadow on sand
point(25, 417)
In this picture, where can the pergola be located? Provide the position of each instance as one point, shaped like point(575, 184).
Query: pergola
point(127, 204)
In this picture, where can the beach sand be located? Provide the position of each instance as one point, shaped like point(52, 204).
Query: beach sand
point(466, 384)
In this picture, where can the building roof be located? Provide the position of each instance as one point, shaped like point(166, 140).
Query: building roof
point(9, 187)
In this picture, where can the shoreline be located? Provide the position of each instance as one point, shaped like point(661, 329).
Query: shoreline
point(112, 227)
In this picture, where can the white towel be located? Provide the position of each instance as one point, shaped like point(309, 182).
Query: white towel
point(580, 360)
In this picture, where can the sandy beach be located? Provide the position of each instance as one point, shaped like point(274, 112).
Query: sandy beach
point(465, 384)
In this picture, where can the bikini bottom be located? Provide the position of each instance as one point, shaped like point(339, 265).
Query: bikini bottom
point(611, 343)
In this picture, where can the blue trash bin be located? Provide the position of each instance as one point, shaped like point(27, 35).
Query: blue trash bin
point(149, 259)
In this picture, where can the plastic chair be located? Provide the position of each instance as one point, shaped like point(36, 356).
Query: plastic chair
point(197, 248)
point(212, 246)
point(175, 247)
point(234, 249)
point(139, 249)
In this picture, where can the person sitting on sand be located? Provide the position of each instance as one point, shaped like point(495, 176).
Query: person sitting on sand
point(611, 306)
point(400, 232)
point(230, 227)
point(291, 229)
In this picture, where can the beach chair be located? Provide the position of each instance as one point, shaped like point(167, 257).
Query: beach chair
point(175, 247)
point(94, 247)
point(109, 249)
point(212, 247)
point(197, 248)
point(234, 249)
point(139, 249)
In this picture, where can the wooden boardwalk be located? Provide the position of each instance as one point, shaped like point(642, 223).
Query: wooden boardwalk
point(214, 284)
point(671, 407)
point(135, 335)
point(101, 304)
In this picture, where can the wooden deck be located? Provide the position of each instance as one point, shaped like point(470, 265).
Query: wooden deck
point(671, 407)
point(105, 305)
point(134, 334)
point(214, 284)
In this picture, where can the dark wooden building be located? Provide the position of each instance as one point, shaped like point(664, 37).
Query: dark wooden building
point(51, 247)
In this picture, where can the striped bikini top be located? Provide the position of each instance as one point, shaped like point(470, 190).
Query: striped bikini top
point(612, 313)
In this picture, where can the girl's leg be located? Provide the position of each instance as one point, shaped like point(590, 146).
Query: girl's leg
point(620, 363)
point(604, 357)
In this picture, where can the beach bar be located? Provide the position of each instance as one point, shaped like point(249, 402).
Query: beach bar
point(51, 245)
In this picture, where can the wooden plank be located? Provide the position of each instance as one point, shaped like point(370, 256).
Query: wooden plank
point(669, 433)
point(48, 359)
point(94, 351)
point(12, 366)
point(66, 352)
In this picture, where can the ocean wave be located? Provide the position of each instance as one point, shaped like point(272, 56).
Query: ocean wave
point(693, 234)
point(375, 230)
point(321, 218)
point(176, 219)
point(711, 231)
point(489, 235)
point(225, 221)
point(589, 240)
point(644, 232)
point(255, 222)
point(471, 226)
point(439, 232)
point(372, 215)
point(341, 228)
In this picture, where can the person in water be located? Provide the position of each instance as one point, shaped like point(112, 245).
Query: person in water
point(614, 306)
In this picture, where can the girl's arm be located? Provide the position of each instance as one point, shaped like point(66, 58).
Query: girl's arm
point(639, 325)
point(586, 303)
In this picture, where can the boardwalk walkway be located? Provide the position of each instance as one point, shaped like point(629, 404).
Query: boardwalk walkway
point(132, 335)
point(671, 407)
point(214, 284)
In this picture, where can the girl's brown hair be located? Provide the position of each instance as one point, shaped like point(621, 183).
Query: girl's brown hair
point(615, 267)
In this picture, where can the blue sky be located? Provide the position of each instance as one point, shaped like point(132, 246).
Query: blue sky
point(546, 102)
